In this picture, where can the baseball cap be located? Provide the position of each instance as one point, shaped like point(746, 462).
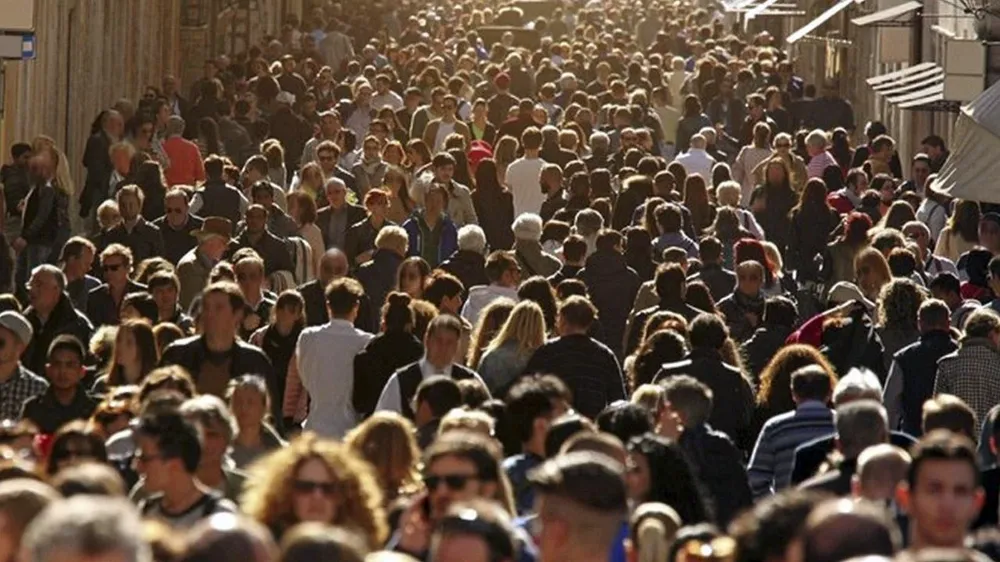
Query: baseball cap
point(18, 324)
point(845, 291)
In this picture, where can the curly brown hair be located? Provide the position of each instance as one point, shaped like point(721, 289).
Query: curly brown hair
point(268, 494)
point(775, 391)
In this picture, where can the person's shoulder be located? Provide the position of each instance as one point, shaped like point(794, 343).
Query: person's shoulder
point(182, 344)
point(415, 366)
point(101, 289)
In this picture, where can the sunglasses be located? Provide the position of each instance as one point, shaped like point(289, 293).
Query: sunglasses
point(112, 266)
point(308, 487)
point(454, 482)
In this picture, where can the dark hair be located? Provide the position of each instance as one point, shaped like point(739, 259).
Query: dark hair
point(74, 432)
point(624, 420)
point(538, 290)
point(947, 282)
point(578, 312)
point(662, 346)
point(175, 436)
point(670, 281)
point(396, 312)
point(440, 286)
point(780, 311)
point(574, 248)
point(68, 343)
point(562, 430)
point(765, 531)
point(441, 394)
point(342, 295)
point(672, 478)
point(527, 401)
point(942, 445)
point(812, 382)
point(478, 449)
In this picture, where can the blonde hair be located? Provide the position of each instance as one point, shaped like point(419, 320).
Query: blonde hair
point(393, 238)
point(525, 325)
point(728, 193)
point(386, 440)
point(475, 421)
point(267, 496)
point(491, 320)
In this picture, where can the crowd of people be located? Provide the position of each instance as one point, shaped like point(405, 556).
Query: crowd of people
point(463, 283)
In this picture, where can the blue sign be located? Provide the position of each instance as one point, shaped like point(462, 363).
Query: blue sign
point(28, 46)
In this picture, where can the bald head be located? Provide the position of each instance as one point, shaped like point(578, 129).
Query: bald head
point(332, 265)
point(880, 469)
point(843, 528)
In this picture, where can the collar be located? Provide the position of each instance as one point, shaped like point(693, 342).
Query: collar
point(429, 370)
point(811, 405)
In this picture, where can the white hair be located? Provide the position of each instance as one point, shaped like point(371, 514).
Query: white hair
point(816, 138)
point(588, 222)
point(599, 141)
point(527, 226)
point(85, 528)
point(858, 383)
point(335, 181)
point(52, 270)
point(472, 238)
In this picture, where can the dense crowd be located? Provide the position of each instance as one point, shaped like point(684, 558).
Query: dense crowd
point(464, 283)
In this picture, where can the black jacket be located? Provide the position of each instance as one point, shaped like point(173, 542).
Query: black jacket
point(633, 333)
point(220, 199)
point(64, 319)
point(293, 131)
point(378, 277)
point(271, 249)
point(496, 213)
point(918, 365)
point(145, 240)
point(565, 272)
point(612, 286)
point(247, 359)
point(836, 481)
point(41, 215)
point(720, 281)
point(628, 201)
point(360, 238)
point(733, 396)
point(762, 346)
point(468, 266)
point(734, 309)
point(719, 465)
point(409, 378)
point(587, 366)
point(101, 308)
point(810, 235)
point(97, 161)
point(374, 365)
point(355, 214)
point(176, 243)
point(49, 415)
point(809, 456)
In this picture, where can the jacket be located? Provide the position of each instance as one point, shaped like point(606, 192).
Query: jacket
point(101, 307)
point(774, 218)
point(461, 210)
point(735, 308)
point(382, 356)
point(838, 263)
point(239, 145)
point(293, 131)
point(64, 319)
point(271, 249)
point(220, 200)
point(612, 286)
point(447, 245)
point(809, 456)
point(368, 176)
point(192, 271)
point(186, 164)
point(41, 216)
point(144, 240)
point(720, 281)
point(585, 365)
point(971, 373)
point(469, 267)
point(97, 161)
point(495, 211)
point(534, 260)
point(378, 277)
point(247, 359)
point(733, 395)
point(355, 214)
point(762, 346)
point(916, 367)
point(809, 237)
point(719, 464)
point(360, 238)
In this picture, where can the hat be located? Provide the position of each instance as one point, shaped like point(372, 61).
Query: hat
point(501, 80)
point(477, 153)
point(18, 324)
point(844, 291)
point(286, 98)
point(214, 226)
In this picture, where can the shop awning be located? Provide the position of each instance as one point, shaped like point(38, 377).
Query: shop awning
point(911, 87)
point(972, 168)
point(888, 15)
point(840, 6)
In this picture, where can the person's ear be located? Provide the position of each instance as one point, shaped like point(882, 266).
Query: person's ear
point(903, 496)
point(855, 486)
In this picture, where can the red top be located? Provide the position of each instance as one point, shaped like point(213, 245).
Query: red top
point(186, 166)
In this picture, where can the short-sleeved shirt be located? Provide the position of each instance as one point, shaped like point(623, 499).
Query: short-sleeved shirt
point(208, 505)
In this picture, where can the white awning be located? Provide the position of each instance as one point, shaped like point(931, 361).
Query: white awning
point(911, 87)
point(888, 14)
point(840, 6)
point(973, 167)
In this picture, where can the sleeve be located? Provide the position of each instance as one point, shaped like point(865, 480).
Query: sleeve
point(391, 398)
point(293, 390)
point(892, 396)
point(760, 471)
point(196, 203)
point(470, 216)
point(941, 383)
point(244, 203)
point(46, 199)
point(616, 381)
point(199, 165)
point(739, 166)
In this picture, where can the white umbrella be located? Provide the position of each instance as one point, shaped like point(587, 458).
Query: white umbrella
point(972, 171)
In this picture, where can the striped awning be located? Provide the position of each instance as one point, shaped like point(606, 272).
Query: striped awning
point(911, 87)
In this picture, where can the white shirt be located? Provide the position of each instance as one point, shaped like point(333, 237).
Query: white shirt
point(523, 179)
point(390, 99)
point(697, 161)
point(481, 296)
point(392, 397)
point(325, 356)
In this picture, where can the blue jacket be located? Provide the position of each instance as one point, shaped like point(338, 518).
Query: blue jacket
point(449, 237)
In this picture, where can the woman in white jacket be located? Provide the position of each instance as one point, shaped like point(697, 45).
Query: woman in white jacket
point(749, 158)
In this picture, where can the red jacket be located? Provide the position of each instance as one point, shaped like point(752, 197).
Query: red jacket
point(186, 166)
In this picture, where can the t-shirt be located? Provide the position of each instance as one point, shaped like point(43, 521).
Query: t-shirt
point(523, 178)
point(208, 505)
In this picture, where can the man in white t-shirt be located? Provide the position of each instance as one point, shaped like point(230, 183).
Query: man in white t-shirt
point(696, 160)
point(523, 174)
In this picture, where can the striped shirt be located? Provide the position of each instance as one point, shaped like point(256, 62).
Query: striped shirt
point(770, 468)
point(819, 163)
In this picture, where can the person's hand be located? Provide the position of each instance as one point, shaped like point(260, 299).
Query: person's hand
point(415, 528)
point(669, 424)
point(19, 244)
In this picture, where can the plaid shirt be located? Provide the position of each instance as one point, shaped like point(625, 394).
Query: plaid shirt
point(20, 387)
point(973, 374)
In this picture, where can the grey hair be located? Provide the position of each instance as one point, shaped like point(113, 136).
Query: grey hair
point(857, 384)
point(816, 139)
point(861, 424)
point(175, 126)
point(600, 141)
point(698, 141)
point(588, 222)
point(335, 181)
point(472, 238)
point(208, 409)
point(52, 270)
point(87, 528)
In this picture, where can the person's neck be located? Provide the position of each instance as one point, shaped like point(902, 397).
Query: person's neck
point(117, 290)
point(255, 236)
point(440, 366)
point(432, 218)
point(284, 327)
point(250, 436)
point(573, 331)
point(531, 153)
point(210, 474)
point(219, 343)
point(535, 446)
point(7, 370)
point(918, 542)
point(43, 314)
point(377, 221)
point(130, 223)
point(165, 314)
point(65, 396)
point(72, 274)
point(181, 494)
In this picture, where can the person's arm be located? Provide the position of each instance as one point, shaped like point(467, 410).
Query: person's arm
point(760, 471)
point(892, 396)
point(293, 390)
point(196, 203)
point(616, 381)
point(941, 383)
point(46, 199)
point(469, 209)
point(391, 398)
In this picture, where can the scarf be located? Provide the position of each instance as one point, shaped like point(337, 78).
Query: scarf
point(754, 304)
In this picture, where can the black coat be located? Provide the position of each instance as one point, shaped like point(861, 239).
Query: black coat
point(720, 281)
point(468, 266)
point(355, 214)
point(612, 286)
point(378, 277)
point(633, 333)
point(246, 359)
point(176, 243)
point(97, 161)
point(271, 249)
point(733, 397)
point(918, 366)
point(810, 234)
point(809, 456)
point(293, 131)
point(145, 240)
point(719, 465)
point(587, 366)
point(762, 346)
point(316, 314)
point(374, 365)
point(628, 201)
point(101, 308)
point(360, 238)
point(64, 319)
point(496, 213)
